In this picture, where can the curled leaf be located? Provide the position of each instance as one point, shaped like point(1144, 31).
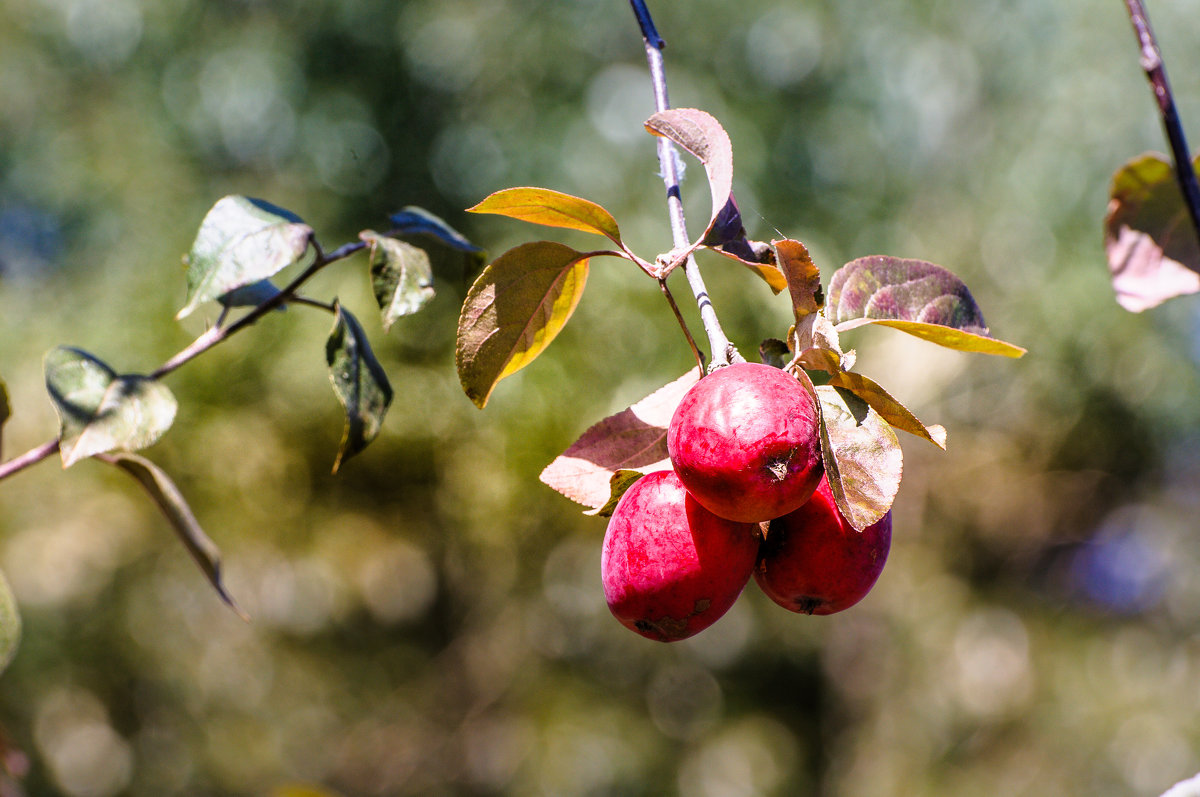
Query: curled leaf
point(802, 275)
point(634, 439)
point(99, 410)
point(240, 242)
point(552, 209)
point(516, 307)
point(702, 135)
point(863, 460)
point(401, 276)
point(359, 382)
point(1153, 254)
point(175, 508)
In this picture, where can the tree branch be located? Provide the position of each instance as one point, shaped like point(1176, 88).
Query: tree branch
point(1156, 73)
point(723, 352)
point(30, 457)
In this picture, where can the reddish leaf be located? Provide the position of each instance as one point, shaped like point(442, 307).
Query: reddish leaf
point(1148, 236)
point(633, 439)
point(920, 298)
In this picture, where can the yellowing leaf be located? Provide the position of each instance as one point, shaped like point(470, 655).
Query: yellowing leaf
point(516, 307)
point(552, 209)
point(802, 276)
point(949, 337)
point(891, 410)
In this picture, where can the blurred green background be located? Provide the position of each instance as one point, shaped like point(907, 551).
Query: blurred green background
point(430, 621)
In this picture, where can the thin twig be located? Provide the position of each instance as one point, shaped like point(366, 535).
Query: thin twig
point(1156, 73)
point(723, 352)
point(30, 457)
point(687, 333)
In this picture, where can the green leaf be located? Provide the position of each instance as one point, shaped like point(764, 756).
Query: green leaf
point(1149, 238)
point(635, 439)
point(552, 209)
point(514, 310)
point(621, 481)
point(175, 507)
point(451, 255)
point(401, 276)
point(920, 298)
point(99, 410)
point(240, 242)
point(891, 410)
point(250, 295)
point(10, 624)
point(359, 382)
point(863, 461)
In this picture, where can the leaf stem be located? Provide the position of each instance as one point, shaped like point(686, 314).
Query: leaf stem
point(723, 352)
point(687, 333)
point(217, 334)
point(30, 457)
point(1156, 72)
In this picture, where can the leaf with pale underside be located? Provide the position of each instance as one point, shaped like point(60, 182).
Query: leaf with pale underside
point(451, 255)
point(552, 209)
point(175, 508)
point(634, 439)
point(1149, 238)
point(891, 410)
point(914, 296)
point(359, 382)
point(241, 241)
point(401, 276)
point(516, 307)
point(862, 456)
point(100, 410)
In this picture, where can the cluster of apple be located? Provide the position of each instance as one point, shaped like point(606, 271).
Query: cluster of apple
point(681, 544)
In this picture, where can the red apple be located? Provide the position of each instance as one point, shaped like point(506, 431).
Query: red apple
point(813, 561)
point(745, 442)
point(670, 567)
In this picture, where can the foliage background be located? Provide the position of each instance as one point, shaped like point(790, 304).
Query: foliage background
point(430, 621)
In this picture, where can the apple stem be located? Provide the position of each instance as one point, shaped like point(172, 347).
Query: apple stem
point(723, 351)
point(1156, 73)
